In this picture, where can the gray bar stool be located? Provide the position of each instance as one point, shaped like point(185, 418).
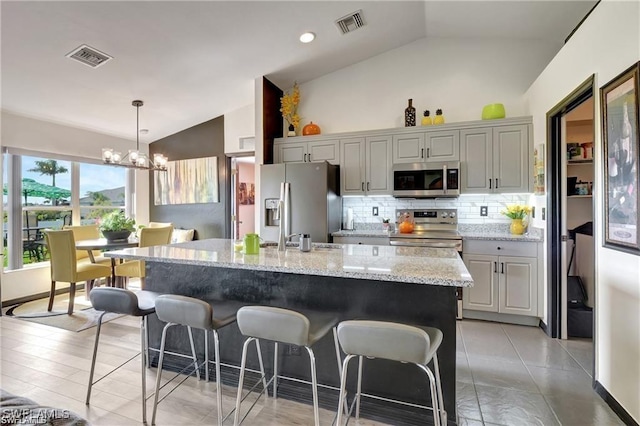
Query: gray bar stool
point(194, 313)
point(283, 326)
point(121, 301)
point(395, 342)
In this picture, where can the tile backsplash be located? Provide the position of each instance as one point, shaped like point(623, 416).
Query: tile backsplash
point(468, 207)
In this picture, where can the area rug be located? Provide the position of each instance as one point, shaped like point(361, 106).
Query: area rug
point(84, 316)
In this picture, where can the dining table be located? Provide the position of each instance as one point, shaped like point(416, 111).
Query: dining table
point(105, 245)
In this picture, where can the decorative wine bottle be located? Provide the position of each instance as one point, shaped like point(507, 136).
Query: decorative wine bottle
point(410, 115)
point(439, 117)
point(426, 120)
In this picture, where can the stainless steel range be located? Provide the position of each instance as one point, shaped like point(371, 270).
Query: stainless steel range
point(436, 228)
point(433, 228)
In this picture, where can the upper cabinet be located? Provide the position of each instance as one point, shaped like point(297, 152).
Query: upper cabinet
point(495, 160)
point(308, 152)
point(366, 166)
point(426, 147)
point(495, 155)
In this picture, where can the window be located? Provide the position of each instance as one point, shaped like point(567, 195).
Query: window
point(47, 201)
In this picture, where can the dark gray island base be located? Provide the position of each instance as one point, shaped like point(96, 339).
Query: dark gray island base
point(349, 298)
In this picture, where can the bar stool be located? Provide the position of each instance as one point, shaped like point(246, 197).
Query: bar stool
point(194, 313)
point(283, 326)
point(121, 301)
point(395, 342)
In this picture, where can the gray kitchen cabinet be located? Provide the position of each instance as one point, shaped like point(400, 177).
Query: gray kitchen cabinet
point(442, 146)
point(505, 275)
point(372, 241)
point(352, 169)
point(308, 152)
point(408, 148)
point(427, 147)
point(366, 165)
point(495, 160)
point(483, 296)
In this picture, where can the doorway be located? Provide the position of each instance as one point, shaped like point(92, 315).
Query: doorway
point(570, 230)
point(242, 195)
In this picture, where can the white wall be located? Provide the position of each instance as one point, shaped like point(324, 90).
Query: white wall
point(607, 43)
point(459, 76)
point(37, 135)
point(239, 123)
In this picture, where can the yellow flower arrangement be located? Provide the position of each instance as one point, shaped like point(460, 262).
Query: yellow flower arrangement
point(516, 211)
point(289, 106)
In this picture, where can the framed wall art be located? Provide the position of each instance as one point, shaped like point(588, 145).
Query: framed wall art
point(190, 181)
point(620, 123)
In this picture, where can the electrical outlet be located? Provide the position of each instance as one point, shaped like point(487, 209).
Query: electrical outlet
point(544, 213)
point(375, 211)
point(484, 211)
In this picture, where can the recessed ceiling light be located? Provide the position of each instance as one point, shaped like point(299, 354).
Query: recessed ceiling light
point(307, 37)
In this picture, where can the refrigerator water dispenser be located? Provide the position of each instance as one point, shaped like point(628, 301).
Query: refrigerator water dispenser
point(272, 218)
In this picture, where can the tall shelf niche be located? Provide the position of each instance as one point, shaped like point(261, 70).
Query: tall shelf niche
point(580, 130)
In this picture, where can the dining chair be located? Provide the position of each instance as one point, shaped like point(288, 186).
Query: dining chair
point(87, 232)
point(148, 237)
point(160, 224)
point(65, 266)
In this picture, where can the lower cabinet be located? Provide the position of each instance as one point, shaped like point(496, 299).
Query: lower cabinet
point(505, 283)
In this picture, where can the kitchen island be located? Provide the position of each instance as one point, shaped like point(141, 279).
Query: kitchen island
point(403, 284)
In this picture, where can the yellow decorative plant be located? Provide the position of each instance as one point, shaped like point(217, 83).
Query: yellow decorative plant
point(516, 211)
point(289, 106)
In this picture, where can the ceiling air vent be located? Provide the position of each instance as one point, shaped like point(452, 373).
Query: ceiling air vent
point(89, 56)
point(351, 22)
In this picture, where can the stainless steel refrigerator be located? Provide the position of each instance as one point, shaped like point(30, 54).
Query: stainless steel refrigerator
point(310, 195)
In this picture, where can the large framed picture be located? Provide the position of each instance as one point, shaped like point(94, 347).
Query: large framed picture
point(191, 181)
point(620, 123)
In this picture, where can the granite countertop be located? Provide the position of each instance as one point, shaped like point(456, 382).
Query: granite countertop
point(379, 263)
point(499, 232)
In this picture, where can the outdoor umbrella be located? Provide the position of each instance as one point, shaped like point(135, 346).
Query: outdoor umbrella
point(31, 188)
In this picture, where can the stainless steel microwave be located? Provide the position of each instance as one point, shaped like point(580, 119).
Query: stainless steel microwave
point(426, 180)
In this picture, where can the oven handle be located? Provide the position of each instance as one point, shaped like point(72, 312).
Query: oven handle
point(445, 178)
point(425, 245)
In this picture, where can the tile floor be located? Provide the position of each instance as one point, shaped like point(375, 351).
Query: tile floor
point(507, 375)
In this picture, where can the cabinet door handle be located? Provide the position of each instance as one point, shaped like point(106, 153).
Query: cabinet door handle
point(496, 183)
point(309, 155)
point(367, 186)
point(428, 150)
point(495, 267)
point(490, 184)
point(363, 186)
point(422, 153)
point(501, 268)
point(305, 158)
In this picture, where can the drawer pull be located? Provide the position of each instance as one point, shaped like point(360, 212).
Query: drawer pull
point(499, 248)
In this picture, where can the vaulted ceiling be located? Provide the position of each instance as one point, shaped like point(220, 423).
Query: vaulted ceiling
point(191, 61)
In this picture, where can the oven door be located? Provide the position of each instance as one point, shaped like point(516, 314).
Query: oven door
point(426, 180)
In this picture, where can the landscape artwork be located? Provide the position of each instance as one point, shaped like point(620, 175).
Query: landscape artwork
point(192, 181)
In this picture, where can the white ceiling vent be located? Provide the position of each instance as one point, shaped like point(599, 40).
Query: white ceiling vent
point(351, 22)
point(89, 56)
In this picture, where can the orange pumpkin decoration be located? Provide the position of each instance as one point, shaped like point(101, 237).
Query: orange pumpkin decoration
point(311, 129)
point(405, 227)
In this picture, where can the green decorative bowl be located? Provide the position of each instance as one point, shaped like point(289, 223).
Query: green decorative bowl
point(493, 111)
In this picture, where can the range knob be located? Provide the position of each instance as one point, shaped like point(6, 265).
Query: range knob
point(444, 215)
point(452, 215)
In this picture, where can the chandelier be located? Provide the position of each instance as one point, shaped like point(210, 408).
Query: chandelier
point(134, 158)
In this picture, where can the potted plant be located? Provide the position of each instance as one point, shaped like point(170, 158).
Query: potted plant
point(115, 226)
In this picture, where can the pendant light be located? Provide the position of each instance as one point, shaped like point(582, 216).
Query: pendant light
point(134, 158)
